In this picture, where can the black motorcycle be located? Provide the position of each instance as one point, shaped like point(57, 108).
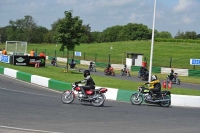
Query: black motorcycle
point(54, 62)
point(175, 79)
point(92, 67)
point(162, 98)
point(143, 76)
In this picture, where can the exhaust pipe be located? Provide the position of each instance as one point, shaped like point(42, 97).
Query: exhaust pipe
point(156, 101)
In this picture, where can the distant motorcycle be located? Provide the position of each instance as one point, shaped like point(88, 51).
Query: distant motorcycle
point(92, 67)
point(163, 98)
point(72, 65)
point(143, 76)
point(54, 62)
point(109, 71)
point(95, 97)
point(125, 72)
point(175, 79)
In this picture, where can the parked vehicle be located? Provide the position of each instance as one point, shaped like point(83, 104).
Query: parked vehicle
point(109, 71)
point(92, 67)
point(175, 79)
point(162, 98)
point(95, 97)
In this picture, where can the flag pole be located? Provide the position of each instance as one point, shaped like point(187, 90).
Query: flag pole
point(152, 42)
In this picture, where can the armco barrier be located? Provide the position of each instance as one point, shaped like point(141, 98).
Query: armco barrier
point(112, 94)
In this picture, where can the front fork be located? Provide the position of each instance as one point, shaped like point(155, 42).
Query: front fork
point(70, 92)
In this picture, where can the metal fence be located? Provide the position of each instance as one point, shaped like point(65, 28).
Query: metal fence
point(116, 59)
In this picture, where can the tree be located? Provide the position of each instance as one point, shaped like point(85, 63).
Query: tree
point(164, 34)
point(70, 31)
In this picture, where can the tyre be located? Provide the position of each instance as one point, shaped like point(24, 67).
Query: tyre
point(167, 103)
point(113, 74)
point(67, 97)
point(178, 81)
point(99, 101)
point(136, 99)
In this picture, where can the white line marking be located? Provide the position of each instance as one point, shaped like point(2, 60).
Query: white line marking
point(31, 130)
point(27, 92)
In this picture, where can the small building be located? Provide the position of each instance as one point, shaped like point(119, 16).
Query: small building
point(134, 59)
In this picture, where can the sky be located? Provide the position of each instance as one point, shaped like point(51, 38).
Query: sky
point(171, 15)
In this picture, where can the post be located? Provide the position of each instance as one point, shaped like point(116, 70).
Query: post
point(194, 67)
point(63, 53)
point(109, 58)
point(170, 63)
point(152, 42)
point(55, 53)
point(84, 55)
point(73, 54)
point(95, 59)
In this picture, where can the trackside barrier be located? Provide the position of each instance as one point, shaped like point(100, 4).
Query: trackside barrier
point(112, 94)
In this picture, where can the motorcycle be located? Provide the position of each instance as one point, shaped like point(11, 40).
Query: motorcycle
point(92, 67)
point(109, 72)
point(54, 62)
point(72, 65)
point(143, 76)
point(175, 79)
point(162, 98)
point(95, 97)
point(125, 72)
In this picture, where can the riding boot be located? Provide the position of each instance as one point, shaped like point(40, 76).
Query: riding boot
point(84, 94)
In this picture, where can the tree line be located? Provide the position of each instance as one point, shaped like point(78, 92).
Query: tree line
point(26, 29)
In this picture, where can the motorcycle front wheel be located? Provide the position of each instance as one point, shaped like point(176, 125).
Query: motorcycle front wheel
point(67, 97)
point(167, 103)
point(136, 99)
point(99, 101)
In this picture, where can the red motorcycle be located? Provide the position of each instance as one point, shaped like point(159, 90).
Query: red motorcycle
point(95, 97)
point(109, 71)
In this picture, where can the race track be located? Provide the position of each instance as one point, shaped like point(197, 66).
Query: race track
point(25, 108)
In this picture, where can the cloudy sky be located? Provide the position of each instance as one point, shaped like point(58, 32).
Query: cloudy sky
point(171, 15)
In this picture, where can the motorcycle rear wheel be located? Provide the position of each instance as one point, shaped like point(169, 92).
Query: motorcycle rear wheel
point(99, 101)
point(67, 97)
point(166, 104)
point(136, 99)
point(178, 81)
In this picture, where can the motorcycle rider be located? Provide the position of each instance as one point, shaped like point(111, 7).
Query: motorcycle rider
point(91, 63)
point(155, 85)
point(108, 68)
point(89, 82)
point(53, 61)
point(171, 75)
point(72, 64)
point(143, 70)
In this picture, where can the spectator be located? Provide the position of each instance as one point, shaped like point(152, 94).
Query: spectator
point(4, 52)
point(42, 54)
point(32, 52)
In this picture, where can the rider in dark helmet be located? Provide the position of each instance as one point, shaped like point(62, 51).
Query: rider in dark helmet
point(155, 85)
point(89, 82)
point(108, 67)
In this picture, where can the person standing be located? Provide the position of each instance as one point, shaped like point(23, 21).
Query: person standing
point(4, 52)
point(32, 52)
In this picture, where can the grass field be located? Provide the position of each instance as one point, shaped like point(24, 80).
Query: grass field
point(162, 52)
point(180, 53)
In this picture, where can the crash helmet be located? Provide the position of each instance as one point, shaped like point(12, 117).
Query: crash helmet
point(109, 65)
point(86, 73)
point(154, 77)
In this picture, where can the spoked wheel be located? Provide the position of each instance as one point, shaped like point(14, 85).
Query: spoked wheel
point(99, 101)
point(136, 99)
point(167, 103)
point(67, 97)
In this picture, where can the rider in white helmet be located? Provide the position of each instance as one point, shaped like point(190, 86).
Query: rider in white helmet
point(155, 85)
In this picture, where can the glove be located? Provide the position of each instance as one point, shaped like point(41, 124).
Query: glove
point(146, 83)
point(77, 82)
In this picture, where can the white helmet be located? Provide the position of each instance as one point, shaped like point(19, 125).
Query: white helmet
point(154, 77)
